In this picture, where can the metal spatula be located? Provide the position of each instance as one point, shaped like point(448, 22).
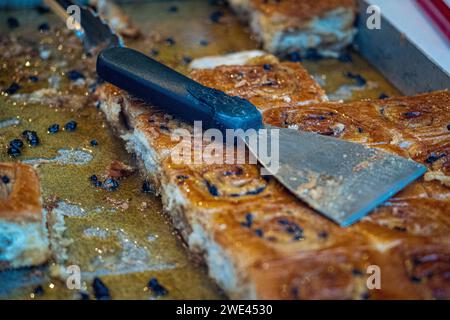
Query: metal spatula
point(342, 180)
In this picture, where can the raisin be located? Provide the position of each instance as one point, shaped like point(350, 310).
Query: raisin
point(13, 88)
point(248, 221)
point(360, 80)
point(170, 41)
point(216, 16)
point(156, 287)
point(110, 184)
point(31, 137)
point(434, 157)
point(5, 179)
point(39, 291)
point(187, 59)
point(147, 187)
point(17, 143)
point(74, 75)
point(255, 192)
point(13, 152)
point(54, 128)
point(412, 114)
point(95, 182)
point(212, 189)
point(259, 233)
point(101, 291)
point(70, 126)
point(12, 22)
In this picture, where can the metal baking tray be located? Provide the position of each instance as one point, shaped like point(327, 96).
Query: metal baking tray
point(110, 243)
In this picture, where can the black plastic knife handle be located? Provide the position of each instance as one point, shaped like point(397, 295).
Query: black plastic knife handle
point(162, 86)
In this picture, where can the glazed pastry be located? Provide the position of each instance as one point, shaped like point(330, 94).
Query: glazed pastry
point(258, 240)
point(23, 234)
point(325, 26)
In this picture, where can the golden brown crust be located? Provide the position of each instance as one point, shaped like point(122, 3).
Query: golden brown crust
point(283, 249)
point(302, 10)
point(267, 86)
point(20, 198)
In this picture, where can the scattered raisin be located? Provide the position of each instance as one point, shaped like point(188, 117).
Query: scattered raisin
point(212, 189)
point(170, 41)
point(13, 88)
point(434, 157)
point(412, 114)
point(216, 16)
point(54, 128)
point(259, 233)
point(147, 187)
point(74, 75)
point(360, 80)
point(17, 143)
point(14, 152)
point(39, 290)
point(256, 191)
point(156, 287)
point(31, 137)
point(101, 291)
point(248, 221)
point(70, 126)
point(187, 59)
point(12, 22)
point(110, 184)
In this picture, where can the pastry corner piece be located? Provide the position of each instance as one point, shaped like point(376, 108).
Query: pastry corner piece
point(23, 235)
point(326, 26)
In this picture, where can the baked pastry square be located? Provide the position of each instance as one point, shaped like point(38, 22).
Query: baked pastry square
point(23, 233)
point(325, 26)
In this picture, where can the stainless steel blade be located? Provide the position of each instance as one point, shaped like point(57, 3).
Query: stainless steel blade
point(342, 180)
point(93, 31)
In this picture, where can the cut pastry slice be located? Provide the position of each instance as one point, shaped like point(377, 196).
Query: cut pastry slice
point(326, 26)
point(23, 233)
